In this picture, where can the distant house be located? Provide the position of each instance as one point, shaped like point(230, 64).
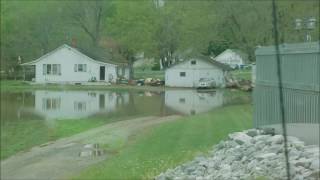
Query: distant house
point(188, 73)
point(232, 57)
point(68, 65)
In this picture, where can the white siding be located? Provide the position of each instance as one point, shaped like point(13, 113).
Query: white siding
point(201, 69)
point(231, 58)
point(253, 76)
point(67, 58)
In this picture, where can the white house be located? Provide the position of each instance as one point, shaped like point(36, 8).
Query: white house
point(232, 57)
point(188, 73)
point(191, 102)
point(68, 65)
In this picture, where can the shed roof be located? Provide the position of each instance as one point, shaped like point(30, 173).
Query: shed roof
point(96, 55)
point(306, 47)
point(207, 59)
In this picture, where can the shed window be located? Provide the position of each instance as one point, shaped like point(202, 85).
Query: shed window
point(182, 100)
point(193, 62)
point(80, 68)
point(182, 74)
point(51, 69)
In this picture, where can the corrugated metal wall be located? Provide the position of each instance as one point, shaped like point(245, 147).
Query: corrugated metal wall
point(300, 65)
point(300, 106)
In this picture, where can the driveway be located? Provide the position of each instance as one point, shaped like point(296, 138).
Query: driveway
point(68, 156)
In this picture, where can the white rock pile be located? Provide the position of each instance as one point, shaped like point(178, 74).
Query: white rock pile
point(252, 154)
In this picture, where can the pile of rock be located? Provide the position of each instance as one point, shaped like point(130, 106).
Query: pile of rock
point(249, 155)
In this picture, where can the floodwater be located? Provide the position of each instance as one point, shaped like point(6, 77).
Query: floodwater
point(35, 117)
point(50, 105)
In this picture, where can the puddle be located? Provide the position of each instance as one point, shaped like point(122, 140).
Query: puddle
point(91, 150)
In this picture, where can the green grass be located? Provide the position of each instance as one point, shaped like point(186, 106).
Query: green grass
point(245, 74)
point(12, 85)
point(142, 74)
point(23, 135)
point(170, 144)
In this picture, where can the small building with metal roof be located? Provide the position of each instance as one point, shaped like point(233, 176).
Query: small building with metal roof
point(189, 72)
point(300, 67)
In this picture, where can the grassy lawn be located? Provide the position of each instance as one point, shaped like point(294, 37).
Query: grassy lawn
point(170, 144)
point(12, 85)
point(242, 74)
point(22, 135)
point(142, 74)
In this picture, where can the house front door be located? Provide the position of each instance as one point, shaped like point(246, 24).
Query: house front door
point(102, 73)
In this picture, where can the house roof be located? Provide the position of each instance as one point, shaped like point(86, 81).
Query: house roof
point(207, 59)
point(243, 55)
point(100, 54)
point(97, 55)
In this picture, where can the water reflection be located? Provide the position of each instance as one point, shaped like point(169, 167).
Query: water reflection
point(49, 105)
point(77, 104)
point(192, 102)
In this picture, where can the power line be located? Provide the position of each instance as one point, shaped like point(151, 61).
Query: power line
point(282, 114)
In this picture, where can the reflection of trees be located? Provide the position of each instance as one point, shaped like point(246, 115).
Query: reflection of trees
point(15, 106)
point(132, 104)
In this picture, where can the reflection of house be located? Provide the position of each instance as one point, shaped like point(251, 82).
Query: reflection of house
point(189, 72)
point(232, 57)
point(76, 104)
point(68, 65)
point(193, 102)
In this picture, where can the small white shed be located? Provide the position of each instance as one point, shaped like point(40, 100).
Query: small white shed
point(68, 65)
point(232, 57)
point(189, 72)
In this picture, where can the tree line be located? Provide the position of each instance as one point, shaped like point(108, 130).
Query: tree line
point(162, 29)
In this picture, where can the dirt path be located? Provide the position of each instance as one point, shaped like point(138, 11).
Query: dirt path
point(60, 159)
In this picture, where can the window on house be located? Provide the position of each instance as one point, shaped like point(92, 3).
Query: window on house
point(193, 62)
point(182, 74)
point(55, 69)
point(80, 68)
point(51, 69)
